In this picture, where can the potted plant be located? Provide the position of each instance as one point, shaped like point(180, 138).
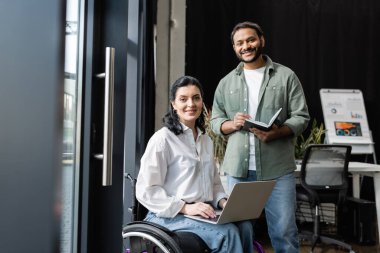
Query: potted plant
point(220, 141)
point(315, 137)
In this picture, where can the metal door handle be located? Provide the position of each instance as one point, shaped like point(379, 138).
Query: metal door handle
point(108, 117)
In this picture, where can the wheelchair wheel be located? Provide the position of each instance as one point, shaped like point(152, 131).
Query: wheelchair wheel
point(146, 238)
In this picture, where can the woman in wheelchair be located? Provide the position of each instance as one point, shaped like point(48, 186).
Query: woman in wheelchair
point(178, 175)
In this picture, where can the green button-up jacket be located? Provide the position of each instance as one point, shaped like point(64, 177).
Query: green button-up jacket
point(280, 88)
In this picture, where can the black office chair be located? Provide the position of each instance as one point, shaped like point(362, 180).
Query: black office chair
point(324, 179)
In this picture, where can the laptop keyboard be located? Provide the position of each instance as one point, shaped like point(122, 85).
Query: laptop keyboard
point(214, 219)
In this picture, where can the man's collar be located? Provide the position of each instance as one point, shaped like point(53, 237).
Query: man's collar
point(268, 63)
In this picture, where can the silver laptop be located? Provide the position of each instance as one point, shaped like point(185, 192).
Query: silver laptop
point(246, 201)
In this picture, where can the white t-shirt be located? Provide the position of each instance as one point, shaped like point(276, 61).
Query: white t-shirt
point(253, 78)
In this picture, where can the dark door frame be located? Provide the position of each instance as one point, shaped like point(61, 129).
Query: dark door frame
point(120, 24)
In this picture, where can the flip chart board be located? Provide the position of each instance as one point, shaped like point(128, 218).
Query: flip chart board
point(345, 119)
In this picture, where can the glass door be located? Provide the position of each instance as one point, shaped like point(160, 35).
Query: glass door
point(92, 204)
point(91, 210)
point(71, 125)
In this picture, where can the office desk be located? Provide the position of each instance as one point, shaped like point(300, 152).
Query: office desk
point(366, 169)
point(358, 169)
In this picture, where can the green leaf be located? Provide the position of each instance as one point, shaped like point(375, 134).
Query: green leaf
point(219, 141)
point(315, 137)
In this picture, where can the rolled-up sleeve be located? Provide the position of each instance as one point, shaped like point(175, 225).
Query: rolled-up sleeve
point(298, 110)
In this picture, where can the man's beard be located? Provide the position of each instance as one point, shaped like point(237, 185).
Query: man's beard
point(258, 50)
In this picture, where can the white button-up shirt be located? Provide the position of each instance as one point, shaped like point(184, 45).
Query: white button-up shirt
point(176, 169)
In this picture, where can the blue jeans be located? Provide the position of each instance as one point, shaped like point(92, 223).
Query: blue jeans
point(224, 238)
point(279, 212)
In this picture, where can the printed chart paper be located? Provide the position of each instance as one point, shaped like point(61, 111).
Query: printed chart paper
point(345, 116)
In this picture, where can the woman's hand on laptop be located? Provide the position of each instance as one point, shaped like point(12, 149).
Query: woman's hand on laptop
point(199, 208)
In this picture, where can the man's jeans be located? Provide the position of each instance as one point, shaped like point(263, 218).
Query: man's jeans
point(279, 212)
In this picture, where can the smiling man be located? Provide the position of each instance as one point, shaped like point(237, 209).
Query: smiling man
point(256, 89)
